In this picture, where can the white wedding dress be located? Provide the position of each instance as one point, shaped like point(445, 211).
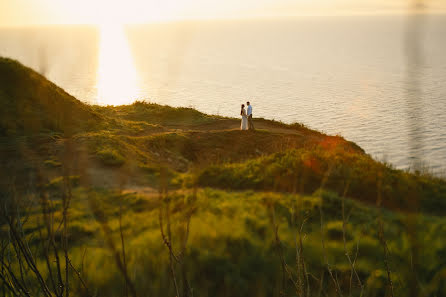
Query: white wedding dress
point(244, 125)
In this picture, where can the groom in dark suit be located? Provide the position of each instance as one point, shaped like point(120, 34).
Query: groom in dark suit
point(249, 114)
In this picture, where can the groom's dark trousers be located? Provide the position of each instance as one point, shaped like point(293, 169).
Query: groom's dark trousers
point(250, 124)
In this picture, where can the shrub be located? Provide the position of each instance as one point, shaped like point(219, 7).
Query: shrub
point(110, 157)
point(52, 163)
point(57, 182)
point(334, 230)
point(305, 170)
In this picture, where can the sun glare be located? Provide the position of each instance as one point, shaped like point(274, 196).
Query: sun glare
point(117, 79)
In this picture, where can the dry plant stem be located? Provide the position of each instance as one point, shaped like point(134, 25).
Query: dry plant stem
point(163, 198)
point(175, 258)
point(415, 246)
point(286, 272)
point(66, 204)
point(19, 224)
point(382, 238)
point(386, 259)
point(83, 260)
point(46, 255)
point(14, 220)
point(321, 286)
point(354, 265)
point(19, 257)
point(299, 281)
point(123, 249)
point(2, 269)
point(187, 290)
point(6, 285)
point(100, 217)
point(324, 250)
point(168, 243)
point(21, 267)
point(66, 200)
point(13, 282)
point(28, 258)
point(171, 253)
point(347, 254)
point(302, 276)
point(78, 274)
point(304, 284)
point(48, 221)
point(304, 266)
point(280, 252)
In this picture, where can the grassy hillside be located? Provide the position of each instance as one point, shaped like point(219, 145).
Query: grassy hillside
point(31, 104)
point(151, 200)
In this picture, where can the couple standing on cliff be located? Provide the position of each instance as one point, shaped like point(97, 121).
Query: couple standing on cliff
point(246, 117)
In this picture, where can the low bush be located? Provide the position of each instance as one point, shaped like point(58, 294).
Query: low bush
point(110, 157)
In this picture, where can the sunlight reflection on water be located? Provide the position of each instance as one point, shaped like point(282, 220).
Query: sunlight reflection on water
point(117, 79)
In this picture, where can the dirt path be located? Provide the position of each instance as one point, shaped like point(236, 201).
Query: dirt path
point(234, 124)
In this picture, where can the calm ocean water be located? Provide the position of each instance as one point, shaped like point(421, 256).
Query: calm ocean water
point(364, 78)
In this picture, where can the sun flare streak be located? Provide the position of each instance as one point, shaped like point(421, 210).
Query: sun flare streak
point(117, 79)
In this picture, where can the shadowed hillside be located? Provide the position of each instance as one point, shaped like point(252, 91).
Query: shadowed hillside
point(31, 104)
point(151, 200)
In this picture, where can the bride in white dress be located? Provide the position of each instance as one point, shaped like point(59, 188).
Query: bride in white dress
point(244, 125)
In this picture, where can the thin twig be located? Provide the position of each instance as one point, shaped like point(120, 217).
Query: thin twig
point(382, 238)
point(346, 252)
point(121, 233)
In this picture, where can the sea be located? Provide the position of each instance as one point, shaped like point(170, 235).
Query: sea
point(379, 81)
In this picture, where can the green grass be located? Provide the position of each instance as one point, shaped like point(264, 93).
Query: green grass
point(305, 170)
point(156, 114)
point(231, 184)
point(110, 157)
point(231, 241)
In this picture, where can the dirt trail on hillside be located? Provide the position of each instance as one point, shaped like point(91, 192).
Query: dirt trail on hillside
point(234, 124)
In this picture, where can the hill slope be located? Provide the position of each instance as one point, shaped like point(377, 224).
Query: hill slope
point(31, 104)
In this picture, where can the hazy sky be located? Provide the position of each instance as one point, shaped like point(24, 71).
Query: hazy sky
point(27, 12)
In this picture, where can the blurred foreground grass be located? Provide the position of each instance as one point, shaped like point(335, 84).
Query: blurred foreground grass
point(231, 249)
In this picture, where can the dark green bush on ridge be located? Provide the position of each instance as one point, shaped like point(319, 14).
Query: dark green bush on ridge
point(110, 157)
point(304, 171)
